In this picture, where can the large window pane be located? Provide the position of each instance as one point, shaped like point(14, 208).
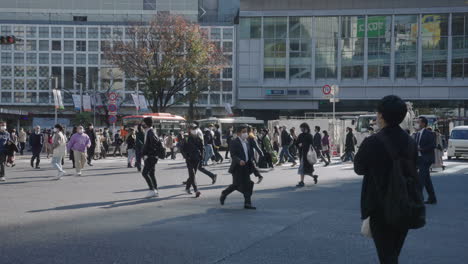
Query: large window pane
point(326, 51)
point(406, 39)
point(352, 53)
point(275, 31)
point(379, 34)
point(300, 48)
point(460, 45)
point(434, 32)
point(250, 27)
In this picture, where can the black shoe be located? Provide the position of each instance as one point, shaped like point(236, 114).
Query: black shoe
point(249, 206)
point(129, 166)
point(260, 179)
point(431, 202)
point(222, 199)
point(197, 194)
point(184, 182)
point(215, 177)
point(139, 169)
point(326, 164)
point(37, 167)
point(315, 178)
point(300, 184)
point(90, 164)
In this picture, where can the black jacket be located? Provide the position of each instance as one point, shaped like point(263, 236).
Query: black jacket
point(92, 137)
point(304, 141)
point(317, 141)
point(373, 161)
point(151, 144)
point(285, 138)
point(238, 154)
point(217, 138)
point(254, 145)
point(192, 148)
point(36, 141)
point(131, 142)
point(427, 144)
point(208, 138)
point(349, 145)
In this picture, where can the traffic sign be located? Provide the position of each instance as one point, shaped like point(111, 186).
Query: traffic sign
point(112, 108)
point(326, 89)
point(112, 119)
point(112, 96)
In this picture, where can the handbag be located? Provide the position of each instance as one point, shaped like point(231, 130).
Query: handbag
point(325, 147)
point(365, 228)
point(312, 155)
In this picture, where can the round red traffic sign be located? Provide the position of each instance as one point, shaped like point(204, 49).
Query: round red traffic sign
point(112, 119)
point(112, 108)
point(112, 96)
point(326, 89)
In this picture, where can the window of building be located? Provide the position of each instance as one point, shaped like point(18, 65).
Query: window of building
point(460, 45)
point(31, 97)
point(105, 45)
point(19, 58)
point(68, 77)
point(227, 46)
point(93, 59)
point(44, 84)
point(406, 40)
point(5, 29)
point(68, 32)
point(149, 4)
point(19, 71)
point(326, 50)
point(250, 27)
point(6, 71)
point(81, 32)
point(105, 32)
point(56, 58)
point(43, 58)
point(80, 45)
point(31, 71)
point(227, 86)
point(118, 33)
point(31, 84)
point(93, 33)
point(93, 45)
point(31, 58)
point(6, 58)
point(93, 76)
point(274, 32)
point(6, 97)
point(19, 84)
point(300, 47)
point(434, 37)
point(227, 98)
point(215, 99)
point(43, 98)
point(68, 45)
point(81, 76)
point(31, 45)
point(19, 31)
point(80, 58)
point(56, 45)
point(43, 45)
point(19, 97)
point(80, 18)
point(56, 32)
point(215, 33)
point(43, 71)
point(6, 84)
point(31, 31)
point(44, 32)
point(379, 33)
point(68, 58)
point(227, 33)
point(352, 52)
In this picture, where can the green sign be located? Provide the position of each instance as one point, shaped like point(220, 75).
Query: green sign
point(376, 26)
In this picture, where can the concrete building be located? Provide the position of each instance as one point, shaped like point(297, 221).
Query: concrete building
point(65, 39)
point(288, 50)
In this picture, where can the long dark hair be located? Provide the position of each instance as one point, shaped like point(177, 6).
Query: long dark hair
point(306, 127)
point(325, 133)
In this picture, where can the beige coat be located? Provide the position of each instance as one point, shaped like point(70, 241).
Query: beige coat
point(59, 145)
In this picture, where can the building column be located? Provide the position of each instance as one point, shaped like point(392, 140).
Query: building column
point(449, 49)
point(392, 52)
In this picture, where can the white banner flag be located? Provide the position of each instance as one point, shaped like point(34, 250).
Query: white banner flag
point(143, 103)
point(228, 108)
point(60, 99)
point(77, 101)
point(54, 92)
point(87, 103)
point(135, 101)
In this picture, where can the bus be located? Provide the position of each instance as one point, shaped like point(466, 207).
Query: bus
point(163, 122)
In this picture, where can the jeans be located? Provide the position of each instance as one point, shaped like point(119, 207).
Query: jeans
point(57, 163)
point(149, 172)
point(208, 154)
point(285, 152)
point(131, 156)
point(349, 155)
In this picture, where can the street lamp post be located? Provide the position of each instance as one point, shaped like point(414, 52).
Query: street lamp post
point(55, 103)
point(81, 97)
point(138, 98)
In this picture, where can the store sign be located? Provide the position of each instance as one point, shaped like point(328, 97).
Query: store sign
point(275, 92)
point(376, 26)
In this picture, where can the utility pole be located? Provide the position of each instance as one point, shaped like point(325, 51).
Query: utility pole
point(94, 105)
point(55, 103)
point(138, 98)
point(81, 97)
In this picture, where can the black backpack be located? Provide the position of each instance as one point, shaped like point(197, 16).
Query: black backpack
point(160, 149)
point(402, 201)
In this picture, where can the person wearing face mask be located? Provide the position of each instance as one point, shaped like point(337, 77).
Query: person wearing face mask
point(241, 167)
point(192, 150)
point(22, 140)
point(4, 138)
point(229, 136)
point(36, 140)
point(217, 144)
point(59, 149)
point(304, 142)
point(92, 136)
point(79, 143)
point(318, 145)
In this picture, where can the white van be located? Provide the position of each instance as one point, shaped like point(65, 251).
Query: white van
point(458, 142)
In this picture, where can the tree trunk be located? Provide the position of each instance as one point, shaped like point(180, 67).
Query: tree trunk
point(191, 111)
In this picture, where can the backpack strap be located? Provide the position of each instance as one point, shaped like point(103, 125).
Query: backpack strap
point(388, 146)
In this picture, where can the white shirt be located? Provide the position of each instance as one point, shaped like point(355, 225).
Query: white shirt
point(245, 147)
point(419, 140)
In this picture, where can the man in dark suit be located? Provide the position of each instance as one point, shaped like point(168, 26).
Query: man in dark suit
point(318, 145)
point(150, 155)
point(426, 145)
point(241, 167)
point(217, 144)
point(92, 136)
point(36, 140)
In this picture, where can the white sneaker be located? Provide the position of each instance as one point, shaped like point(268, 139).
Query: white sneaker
point(59, 175)
point(2, 179)
point(78, 174)
point(150, 194)
point(156, 194)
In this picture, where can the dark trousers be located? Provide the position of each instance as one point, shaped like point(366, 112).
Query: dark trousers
point(226, 156)
point(171, 153)
point(148, 172)
point(91, 153)
point(327, 155)
point(117, 148)
point(205, 171)
point(36, 155)
point(320, 155)
point(2, 164)
point(387, 240)
point(268, 159)
point(243, 184)
point(217, 156)
point(425, 179)
point(192, 166)
point(138, 158)
point(349, 155)
point(22, 146)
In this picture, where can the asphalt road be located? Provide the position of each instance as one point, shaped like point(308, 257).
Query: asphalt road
point(102, 218)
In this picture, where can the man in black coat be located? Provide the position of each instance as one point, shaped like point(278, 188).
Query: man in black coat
point(150, 155)
point(217, 144)
point(318, 145)
point(92, 137)
point(192, 150)
point(36, 140)
point(426, 145)
point(241, 168)
point(374, 162)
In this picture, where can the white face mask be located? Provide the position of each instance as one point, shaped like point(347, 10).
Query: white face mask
point(37, 131)
point(244, 136)
point(2, 128)
point(417, 126)
point(80, 131)
point(55, 130)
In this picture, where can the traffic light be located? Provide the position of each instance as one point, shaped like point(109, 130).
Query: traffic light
point(7, 40)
